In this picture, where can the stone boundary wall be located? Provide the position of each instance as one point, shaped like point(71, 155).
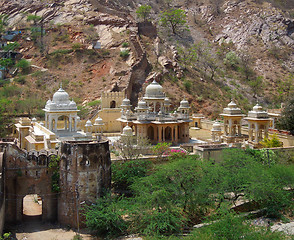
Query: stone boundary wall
point(147, 29)
point(2, 192)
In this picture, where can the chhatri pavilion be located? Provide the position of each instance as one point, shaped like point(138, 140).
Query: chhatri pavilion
point(61, 123)
point(154, 120)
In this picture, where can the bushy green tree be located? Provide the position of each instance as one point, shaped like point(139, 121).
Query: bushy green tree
point(174, 19)
point(143, 12)
point(286, 121)
point(124, 174)
point(105, 217)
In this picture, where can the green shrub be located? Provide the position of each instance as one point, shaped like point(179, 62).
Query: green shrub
point(188, 85)
point(76, 46)
point(232, 60)
point(124, 54)
point(94, 103)
point(125, 44)
point(24, 65)
point(105, 217)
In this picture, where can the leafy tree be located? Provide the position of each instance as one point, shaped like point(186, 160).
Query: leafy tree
point(131, 147)
point(272, 142)
point(54, 166)
point(175, 19)
point(143, 12)
point(4, 118)
point(287, 119)
point(38, 32)
point(161, 148)
point(285, 88)
point(256, 85)
point(232, 60)
point(124, 174)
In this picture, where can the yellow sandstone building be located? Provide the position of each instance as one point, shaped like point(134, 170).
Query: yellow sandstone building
point(152, 117)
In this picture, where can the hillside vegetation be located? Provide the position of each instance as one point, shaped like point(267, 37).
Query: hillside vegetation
point(222, 50)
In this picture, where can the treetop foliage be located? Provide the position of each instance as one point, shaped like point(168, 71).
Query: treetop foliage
point(175, 19)
point(187, 190)
point(143, 12)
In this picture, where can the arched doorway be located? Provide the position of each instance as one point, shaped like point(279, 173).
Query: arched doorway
point(32, 206)
point(112, 104)
point(150, 132)
point(168, 134)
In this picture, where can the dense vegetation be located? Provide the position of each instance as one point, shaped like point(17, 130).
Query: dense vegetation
point(185, 191)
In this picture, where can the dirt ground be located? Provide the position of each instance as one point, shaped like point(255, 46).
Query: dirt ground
point(32, 227)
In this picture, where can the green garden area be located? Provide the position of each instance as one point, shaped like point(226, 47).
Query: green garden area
point(163, 200)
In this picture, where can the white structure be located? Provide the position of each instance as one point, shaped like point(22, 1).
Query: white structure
point(153, 120)
point(61, 107)
point(216, 132)
point(258, 125)
point(232, 123)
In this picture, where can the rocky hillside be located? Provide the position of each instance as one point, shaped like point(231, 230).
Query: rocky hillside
point(242, 50)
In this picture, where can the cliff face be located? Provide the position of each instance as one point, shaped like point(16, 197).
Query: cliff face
point(263, 32)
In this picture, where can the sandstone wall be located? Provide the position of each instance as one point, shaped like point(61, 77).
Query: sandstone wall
point(85, 174)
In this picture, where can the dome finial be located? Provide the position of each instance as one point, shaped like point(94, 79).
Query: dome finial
point(61, 85)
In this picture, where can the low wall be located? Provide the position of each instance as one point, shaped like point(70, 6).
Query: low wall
point(2, 193)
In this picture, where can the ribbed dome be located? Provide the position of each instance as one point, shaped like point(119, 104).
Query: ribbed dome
point(232, 104)
point(61, 97)
point(257, 108)
point(154, 90)
point(98, 121)
point(142, 104)
point(166, 102)
point(184, 104)
point(127, 131)
point(216, 126)
point(72, 104)
point(126, 103)
point(88, 124)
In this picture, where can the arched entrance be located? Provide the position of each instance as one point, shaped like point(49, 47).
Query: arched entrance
point(32, 207)
point(168, 134)
point(112, 104)
point(150, 132)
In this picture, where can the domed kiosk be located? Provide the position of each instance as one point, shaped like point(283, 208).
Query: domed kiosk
point(61, 108)
point(152, 118)
point(232, 123)
point(258, 125)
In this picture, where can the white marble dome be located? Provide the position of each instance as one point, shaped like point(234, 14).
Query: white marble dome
point(126, 103)
point(166, 102)
point(98, 121)
point(142, 104)
point(61, 96)
point(257, 108)
point(60, 102)
point(232, 104)
point(127, 131)
point(184, 104)
point(154, 90)
point(216, 127)
point(88, 124)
